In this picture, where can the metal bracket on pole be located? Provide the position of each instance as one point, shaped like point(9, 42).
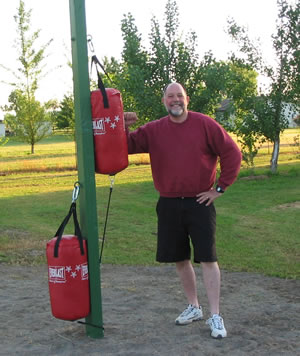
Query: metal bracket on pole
point(85, 161)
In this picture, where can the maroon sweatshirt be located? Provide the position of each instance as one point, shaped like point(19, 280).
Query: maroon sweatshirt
point(184, 155)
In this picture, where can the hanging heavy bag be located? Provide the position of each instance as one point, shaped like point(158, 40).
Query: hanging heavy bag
point(110, 141)
point(68, 276)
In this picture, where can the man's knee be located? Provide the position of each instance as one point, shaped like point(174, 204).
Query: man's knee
point(182, 264)
point(210, 265)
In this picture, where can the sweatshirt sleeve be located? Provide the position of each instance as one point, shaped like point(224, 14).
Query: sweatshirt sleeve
point(137, 140)
point(229, 154)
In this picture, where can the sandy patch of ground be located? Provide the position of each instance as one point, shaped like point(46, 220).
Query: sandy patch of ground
point(140, 304)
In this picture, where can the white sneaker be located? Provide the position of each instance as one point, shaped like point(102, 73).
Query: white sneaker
point(190, 314)
point(217, 327)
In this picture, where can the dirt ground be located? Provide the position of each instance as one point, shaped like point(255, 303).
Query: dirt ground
point(140, 304)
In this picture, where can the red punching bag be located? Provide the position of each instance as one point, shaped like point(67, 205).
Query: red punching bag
point(68, 276)
point(110, 140)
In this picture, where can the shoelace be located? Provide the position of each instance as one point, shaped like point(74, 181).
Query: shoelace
point(217, 321)
point(187, 310)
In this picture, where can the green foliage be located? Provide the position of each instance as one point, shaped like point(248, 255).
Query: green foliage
point(27, 117)
point(219, 80)
point(208, 89)
point(237, 82)
point(65, 116)
point(28, 123)
point(3, 140)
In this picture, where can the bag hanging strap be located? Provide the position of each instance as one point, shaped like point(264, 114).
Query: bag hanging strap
point(77, 232)
point(96, 61)
point(94, 57)
point(100, 82)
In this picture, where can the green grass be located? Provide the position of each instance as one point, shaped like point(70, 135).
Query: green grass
point(257, 224)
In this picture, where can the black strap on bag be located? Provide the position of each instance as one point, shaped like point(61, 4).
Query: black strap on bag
point(77, 232)
point(96, 61)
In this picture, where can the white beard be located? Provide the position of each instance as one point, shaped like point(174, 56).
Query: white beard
point(175, 112)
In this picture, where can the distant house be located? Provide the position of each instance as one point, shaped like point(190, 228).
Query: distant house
point(289, 112)
point(223, 114)
point(2, 128)
point(46, 127)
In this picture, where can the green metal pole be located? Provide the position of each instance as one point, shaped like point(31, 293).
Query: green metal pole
point(85, 161)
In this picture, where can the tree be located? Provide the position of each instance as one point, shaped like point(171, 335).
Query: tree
point(27, 116)
point(65, 116)
point(284, 78)
point(170, 58)
point(134, 72)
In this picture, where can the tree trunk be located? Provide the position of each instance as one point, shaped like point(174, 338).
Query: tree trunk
point(32, 148)
point(275, 155)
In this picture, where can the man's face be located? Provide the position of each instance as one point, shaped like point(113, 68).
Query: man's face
point(176, 100)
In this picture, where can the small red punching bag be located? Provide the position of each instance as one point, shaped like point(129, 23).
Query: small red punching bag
point(68, 276)
point(110, 140)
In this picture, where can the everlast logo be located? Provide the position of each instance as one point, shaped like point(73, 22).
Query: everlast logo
point(84, 272)
point(99, 126)
point(57, 274)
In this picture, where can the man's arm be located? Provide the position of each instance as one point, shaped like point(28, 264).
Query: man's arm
point(137, 141)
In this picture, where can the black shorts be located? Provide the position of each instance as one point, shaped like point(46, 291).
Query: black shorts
point(181, 221)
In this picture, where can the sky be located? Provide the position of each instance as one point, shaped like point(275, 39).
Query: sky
point(207, 18)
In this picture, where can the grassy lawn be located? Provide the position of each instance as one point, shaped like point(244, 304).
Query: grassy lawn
point(258, 218)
